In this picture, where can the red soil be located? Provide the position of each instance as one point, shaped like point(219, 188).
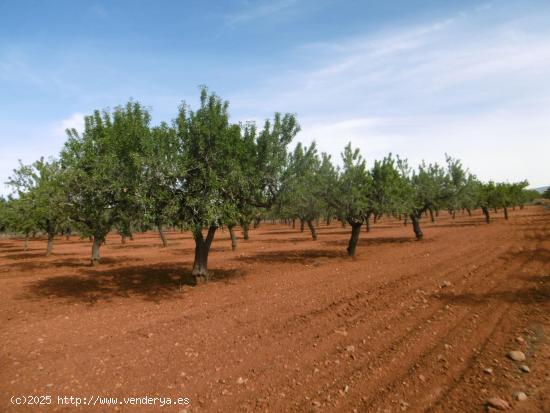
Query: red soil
point(287, 324)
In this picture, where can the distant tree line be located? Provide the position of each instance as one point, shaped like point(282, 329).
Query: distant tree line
point(201, 172)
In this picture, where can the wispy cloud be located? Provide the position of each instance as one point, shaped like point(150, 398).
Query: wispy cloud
point(457, 85)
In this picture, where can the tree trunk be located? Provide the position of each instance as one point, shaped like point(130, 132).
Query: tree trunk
point(95, 249)
point(49, 249)
point(123, 239)
point(469, 211)
point(454, 214)
point(233, 237)
point(486, 213)
point(162, 235)
point(293, 223)
point(245, 226)
point(26, 243)
point(257, 221)
point(432, 218)
point(202, 248)
point(367, 221)
point(355, 231)
point(405, 220)
point(312, 229)
point(302, 225)
point(416, 226)
point(505, 213)
point(375, 218)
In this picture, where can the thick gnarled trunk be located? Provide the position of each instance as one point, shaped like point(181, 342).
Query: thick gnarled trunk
point(257, 222)
point(49, 248)
point(487, 214)
point(312, 229)
point(432, 218)
point(233, 237)
point(245, 225)
point(355, 232)
point(202, 248)
point(96, 244)
point(416, 226)
point(162, 235)
point(367, 221)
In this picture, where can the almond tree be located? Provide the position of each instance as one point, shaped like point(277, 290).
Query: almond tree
point(102, 174)
point(423, 190)
point(157, 164)
point(386, 191)
point(351, 195)
point(40, 187)
point(301, 187)
point(19, 217)
point(212, 184)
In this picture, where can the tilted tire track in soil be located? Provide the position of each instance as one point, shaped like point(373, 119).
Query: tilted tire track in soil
point(489, 323)
point(533, 266)
point(369, 316)
point(422, 332)
point(328, 327)
point(435, 311)
point(224, 324)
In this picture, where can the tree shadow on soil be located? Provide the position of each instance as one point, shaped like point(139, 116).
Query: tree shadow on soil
point(537, 294)
point(454, 224)
point(148, 282)
point(34, 254)
point(285, 240)
point(539, 255)
point(301, 257)
point(67, 263)
point(131, 246)
point(281, 232)
point(372, 241)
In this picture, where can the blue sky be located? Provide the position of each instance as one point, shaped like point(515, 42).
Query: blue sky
point(417, 78)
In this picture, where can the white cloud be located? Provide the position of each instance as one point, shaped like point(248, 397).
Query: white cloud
point(466, 85)
point(41, 141)
point(75, 121)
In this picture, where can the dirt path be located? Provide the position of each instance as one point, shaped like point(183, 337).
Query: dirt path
point(288, 324)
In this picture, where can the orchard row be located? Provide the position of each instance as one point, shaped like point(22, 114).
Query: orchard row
point(201, 172)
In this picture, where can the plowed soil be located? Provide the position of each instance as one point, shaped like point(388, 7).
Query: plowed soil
point(287, 324)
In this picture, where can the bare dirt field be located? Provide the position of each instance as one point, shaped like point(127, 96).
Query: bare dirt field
point(287, 324)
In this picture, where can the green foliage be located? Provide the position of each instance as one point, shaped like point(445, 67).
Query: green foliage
point(388, 188)
point(157, 164)
point(202, 171)
point(102, 169)
point(351, 197)
point(207, 163)
point(302, 185)
point(41, 197)
point(19, 215)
